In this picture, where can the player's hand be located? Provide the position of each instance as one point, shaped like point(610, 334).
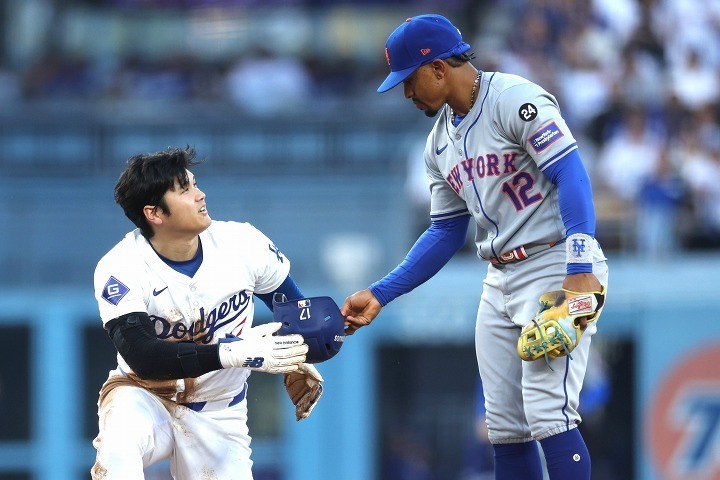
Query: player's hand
point(304, 387)
point(582, 283)
point(359, 310)
point(262, 351)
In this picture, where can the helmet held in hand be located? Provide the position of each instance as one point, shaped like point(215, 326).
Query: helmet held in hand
point(317, 319)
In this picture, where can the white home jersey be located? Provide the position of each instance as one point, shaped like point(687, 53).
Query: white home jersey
point(238, 261)
point(491, 165)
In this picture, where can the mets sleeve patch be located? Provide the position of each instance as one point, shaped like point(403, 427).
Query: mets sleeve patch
point(545, 137)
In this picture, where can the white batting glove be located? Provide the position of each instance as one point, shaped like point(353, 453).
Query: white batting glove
point(304, 386)
point(262, 351)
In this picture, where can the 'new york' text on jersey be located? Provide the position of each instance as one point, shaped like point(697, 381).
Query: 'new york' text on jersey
point(491, 165)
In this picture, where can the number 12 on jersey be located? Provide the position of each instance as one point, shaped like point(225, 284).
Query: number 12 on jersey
point(518, 190)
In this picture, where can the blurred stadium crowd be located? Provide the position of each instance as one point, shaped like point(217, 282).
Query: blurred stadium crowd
point(640, 81)
point(637, 80)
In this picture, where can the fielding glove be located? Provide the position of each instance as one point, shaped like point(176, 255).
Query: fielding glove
point(304, 386)
point(555, 331)
point(262, 351)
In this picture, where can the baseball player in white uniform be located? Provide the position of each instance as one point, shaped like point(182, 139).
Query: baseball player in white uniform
point(501, 154)
point(176, 296)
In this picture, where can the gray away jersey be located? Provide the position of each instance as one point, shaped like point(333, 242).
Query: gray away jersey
point(491, 165)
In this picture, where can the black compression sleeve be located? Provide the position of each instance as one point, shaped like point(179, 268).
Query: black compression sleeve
point(154, 359)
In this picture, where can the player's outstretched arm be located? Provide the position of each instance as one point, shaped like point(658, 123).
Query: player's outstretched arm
point(359, 310)
point(258, 349)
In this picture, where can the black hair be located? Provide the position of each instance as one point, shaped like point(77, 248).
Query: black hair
point(458, 60)
point(146, 179)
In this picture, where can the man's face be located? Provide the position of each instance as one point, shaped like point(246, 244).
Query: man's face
point(425, 90)
point(187, 212)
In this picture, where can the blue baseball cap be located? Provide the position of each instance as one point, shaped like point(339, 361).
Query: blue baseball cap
point(420, 40)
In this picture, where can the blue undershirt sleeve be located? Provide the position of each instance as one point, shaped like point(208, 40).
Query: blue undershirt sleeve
point(288, 287)
point(431, 252)
point(576, 201)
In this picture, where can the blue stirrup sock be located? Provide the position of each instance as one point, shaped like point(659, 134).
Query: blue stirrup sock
point(515, 461)
point(567, 456)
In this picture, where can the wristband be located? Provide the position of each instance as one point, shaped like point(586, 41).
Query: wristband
point(579, 248)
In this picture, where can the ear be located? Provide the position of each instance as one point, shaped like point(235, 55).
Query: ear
point(438, 68)
point(153, 214)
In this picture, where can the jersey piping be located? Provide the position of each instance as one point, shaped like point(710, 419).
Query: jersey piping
point(454, 213)
point(558, 156)
point(477, 194)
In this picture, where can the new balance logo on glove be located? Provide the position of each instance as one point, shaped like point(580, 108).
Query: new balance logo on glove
point(256, 362)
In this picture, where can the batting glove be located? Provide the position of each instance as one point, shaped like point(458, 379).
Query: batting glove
point(262, 351)
point(304, 387)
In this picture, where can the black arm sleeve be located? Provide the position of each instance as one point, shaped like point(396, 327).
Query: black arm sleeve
point(154, 359)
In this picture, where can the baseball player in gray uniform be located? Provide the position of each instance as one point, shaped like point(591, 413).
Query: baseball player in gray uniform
point(500, 154)
point(176, 297)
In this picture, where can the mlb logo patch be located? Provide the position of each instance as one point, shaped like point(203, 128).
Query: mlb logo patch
point(114, 290)
point(545, 137)
point(304, 303)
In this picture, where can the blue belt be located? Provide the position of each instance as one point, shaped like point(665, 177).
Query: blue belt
point(216, 405)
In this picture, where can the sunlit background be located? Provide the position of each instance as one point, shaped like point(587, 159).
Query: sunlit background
point(279, 98)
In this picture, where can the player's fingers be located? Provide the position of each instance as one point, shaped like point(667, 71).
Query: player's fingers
point(292, 352)
point(288, 357)
point(272, 327)
point(355, 323)
point(285, 368)
point(283, 352)
point(288, 340)
point(357, 303)
point(349, 327)
point(263, 330)
point(294, 359)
